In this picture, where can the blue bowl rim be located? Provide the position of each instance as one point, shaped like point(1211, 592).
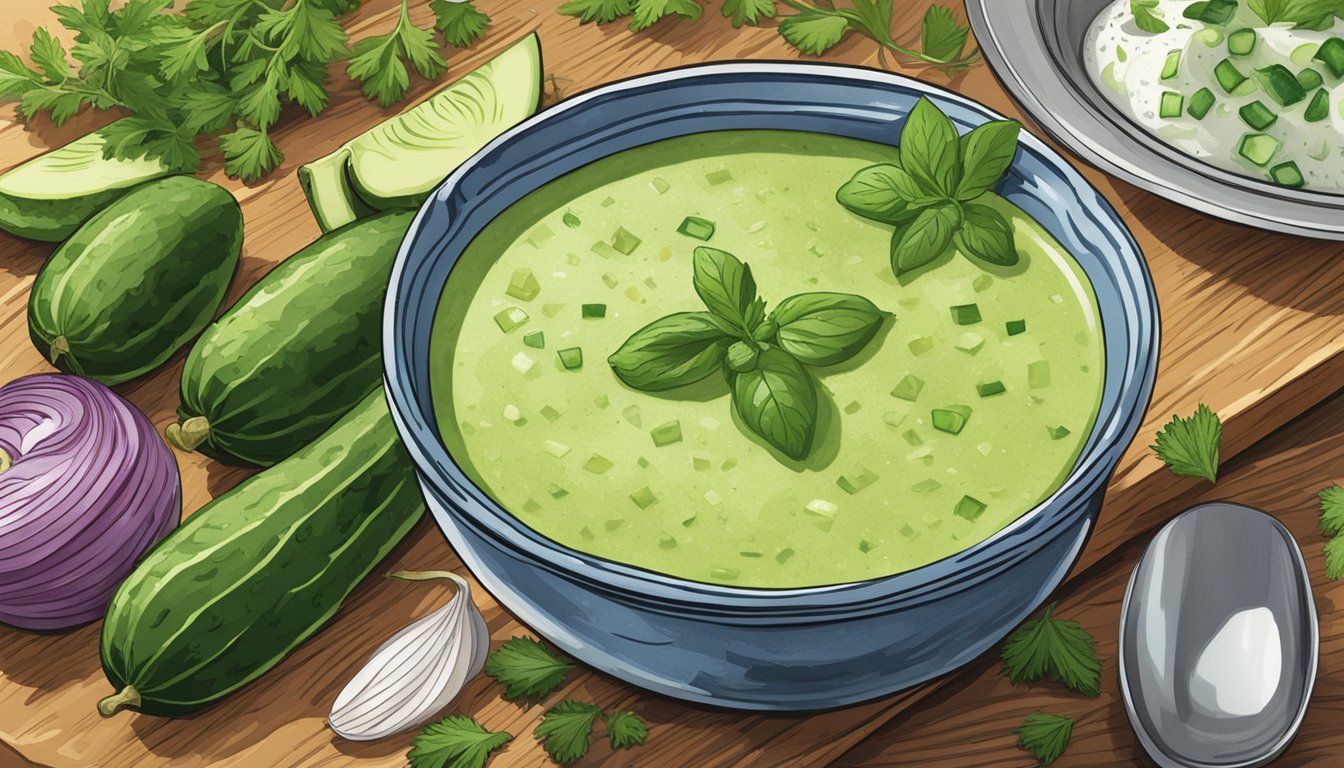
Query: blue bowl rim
point(1111, 433)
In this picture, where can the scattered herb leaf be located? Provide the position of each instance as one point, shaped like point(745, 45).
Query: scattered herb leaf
point(1057, 648)
point(597, 11)
point(1332, 509)
point(1311, 14)
point(626, 730)
point(1147, 16)
point(749, 12)
point(457, 741)
point(650, 12)
point(1044, 736)
point(1190, 446)
point(813, 31)
point(672, 351)
point(825, 328)
point(460, 21)
point(817, 26)
point(379, 61)
point(566, 730)
point(941, 35)
point(528, 668)
point(777, 400)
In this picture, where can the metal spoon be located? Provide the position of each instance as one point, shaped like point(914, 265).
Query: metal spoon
point(1218, 640)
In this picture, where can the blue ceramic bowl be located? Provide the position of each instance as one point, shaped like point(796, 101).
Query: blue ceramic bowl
point(785, 649)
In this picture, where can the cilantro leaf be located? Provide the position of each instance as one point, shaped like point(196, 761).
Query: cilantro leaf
point(59, 102)
point(142, 136)
point(49, 56)
point(16, 78)
point(1148, 17)
point(528, 668)
point(304, 85)
point(260, 104)
point(942, 36)
point(599, 11)
point(1044, 736)
point(306, 30)
point(626, 730)
point(649, 12)
point(378, 60)
point(1052, 647)
point(566, 730)
point(457, 741)
point(1190, 446)
point(748, 12)
point(813, 31)
point(459, 21)
point(1332, 509)
point(182, 59)
point(1334, 558)
point(207, 106)
point(249, 153)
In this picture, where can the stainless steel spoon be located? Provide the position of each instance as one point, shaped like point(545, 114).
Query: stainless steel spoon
point(1218, 640)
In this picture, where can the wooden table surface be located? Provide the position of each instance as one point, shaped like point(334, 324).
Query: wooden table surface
point(1250, 325)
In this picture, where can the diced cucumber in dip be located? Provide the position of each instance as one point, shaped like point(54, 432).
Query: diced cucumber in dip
point(964, 409)
point(1255, 88)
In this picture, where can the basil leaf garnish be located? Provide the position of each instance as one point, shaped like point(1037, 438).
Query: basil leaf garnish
point(727, 287)
point(825, 328)
point(671, 352)
point(929, 149)
point(926, 238)
point(987, 235)
point(986, 153)
point(778, 401)
point(885, 193)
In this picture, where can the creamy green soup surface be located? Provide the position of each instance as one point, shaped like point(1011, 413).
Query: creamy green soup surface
point(670, 481)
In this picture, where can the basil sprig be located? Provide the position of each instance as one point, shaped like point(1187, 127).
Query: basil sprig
point(764, 358)
point(929, 191)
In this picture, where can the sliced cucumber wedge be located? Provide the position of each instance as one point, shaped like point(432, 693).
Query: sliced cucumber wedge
point(48, 197)
point(398, 162)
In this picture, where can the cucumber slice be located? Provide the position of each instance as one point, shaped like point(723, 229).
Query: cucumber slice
point(48, 197)
point(398, 162)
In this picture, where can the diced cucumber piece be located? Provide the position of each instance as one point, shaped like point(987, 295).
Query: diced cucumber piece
point(970, 508)
point(1058, 433)
point(1241, 42)
point(1038, 374)
point(643, 497)
point(522, 363)
point(558, 450)
point(1259, 148)
point(667, 542)
point(920, 344)
point(724, 574)
point(1310, 79)
point(1201, 103)
point(866, 546)
point(1318, 108)
point(981, 283)
point(570, 220)
point(951, 419)
point(970, 343)
point(1331, 54)
point(1227, 75)
point(660, 185)
point(893, 418)
point(966, 314)
point(1171, 105)
point(694, 226)
point(822, 513)
point(1016, 327)
point(623, 241)
point(557, 491)
point(631, 414)
point(551, 414)
point(594, 311)
point(912, 437)
point(597, 464)
point(926, 486)
point(783, 555)
point(535, 339)
point(719, 177)
point(908, 387)
point(571, 358)
point(509, 318)
point(666, 434)
point(1257, 115)
point(1172, 65)
point(856, 480)
point(601, 401)
point(1281, 84)
point(1287, 175)
point(610, 280)
point(990, 388)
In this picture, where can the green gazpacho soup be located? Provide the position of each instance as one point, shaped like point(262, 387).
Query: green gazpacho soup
point(967, 406)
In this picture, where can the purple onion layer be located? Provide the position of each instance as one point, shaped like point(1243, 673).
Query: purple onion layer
point(90, 487)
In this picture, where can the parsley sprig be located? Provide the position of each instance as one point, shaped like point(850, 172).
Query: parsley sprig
point(1044, 736)
point(1190, 446)
point(1057, 648)
point(529, 669)
point(457, 741)
point(217, 64)
point(1332, 523)
point(566, 730)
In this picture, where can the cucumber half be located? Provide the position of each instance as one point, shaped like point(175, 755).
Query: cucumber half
point(398, 162)
point(48, 197)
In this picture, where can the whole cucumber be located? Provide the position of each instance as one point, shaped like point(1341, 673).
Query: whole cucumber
point(138, 280)
point(296, 352)
point(259, 570)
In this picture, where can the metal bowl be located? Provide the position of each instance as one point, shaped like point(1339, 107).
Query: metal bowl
point(1035, 47)
point(762, 649)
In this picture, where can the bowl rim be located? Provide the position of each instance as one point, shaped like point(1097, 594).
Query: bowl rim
point(1111, 431)
point(1026, 61)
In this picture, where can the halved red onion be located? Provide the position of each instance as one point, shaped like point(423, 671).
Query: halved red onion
point(88, 488)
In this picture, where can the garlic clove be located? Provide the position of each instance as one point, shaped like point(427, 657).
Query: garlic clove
point(418, 671)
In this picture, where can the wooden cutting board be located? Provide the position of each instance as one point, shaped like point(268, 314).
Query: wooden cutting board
point(1250, 326)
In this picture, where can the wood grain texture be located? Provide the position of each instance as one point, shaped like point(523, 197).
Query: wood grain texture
point(1250, 325)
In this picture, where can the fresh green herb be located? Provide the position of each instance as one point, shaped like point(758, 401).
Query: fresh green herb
point(649, 12)
point(816, 27)
point(528, 668)
point(566, 730)
point(1052, 647)
point(1190, 446)
point(748, 12)
point(1147, 16)
point(930, 195)
point(1332, 523)
point(1308, 14)
point(457, 741)
point(626, 730)
point(215, 64)
point(598, 11)
point(763, 357)
point(1044, 736)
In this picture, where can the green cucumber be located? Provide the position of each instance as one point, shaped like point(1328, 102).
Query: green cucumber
point(256, 572)
point(48, 197)
point(138, 281)
point(296, 352)
point(397, 163)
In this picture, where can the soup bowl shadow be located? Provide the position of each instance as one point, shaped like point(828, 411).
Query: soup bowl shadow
point(748, 648)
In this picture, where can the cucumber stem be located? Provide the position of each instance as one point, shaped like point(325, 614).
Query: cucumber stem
point(189, 434)
point(59, 346)
point(126, 697)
